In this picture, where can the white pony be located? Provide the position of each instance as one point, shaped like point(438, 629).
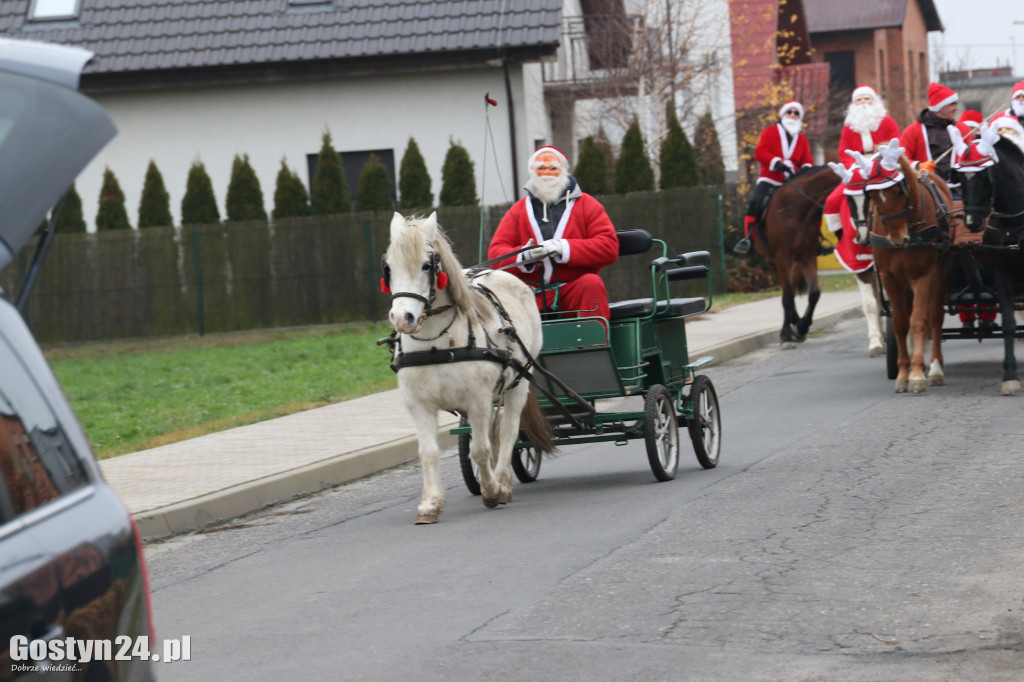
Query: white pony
point(462, 345)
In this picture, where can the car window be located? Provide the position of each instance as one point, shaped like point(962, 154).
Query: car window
point(37, 463)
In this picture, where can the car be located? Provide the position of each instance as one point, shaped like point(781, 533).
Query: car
point(74, 594)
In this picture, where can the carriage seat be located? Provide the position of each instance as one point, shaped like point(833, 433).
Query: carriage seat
point(643, 307)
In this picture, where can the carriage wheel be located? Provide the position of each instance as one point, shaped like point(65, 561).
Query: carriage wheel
point(706, 426)
point(661, 433)
point(526, 464)
point(469, 472)
point(892, 353)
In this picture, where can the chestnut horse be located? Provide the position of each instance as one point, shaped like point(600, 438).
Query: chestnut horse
point(908, 230)
point(789, 238)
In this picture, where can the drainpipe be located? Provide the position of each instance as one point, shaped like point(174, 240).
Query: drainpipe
point(511, 131)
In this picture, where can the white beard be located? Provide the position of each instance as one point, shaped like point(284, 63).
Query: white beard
point(548, 188)
point(865, 118)
point(1017, 108)
point(792, 125)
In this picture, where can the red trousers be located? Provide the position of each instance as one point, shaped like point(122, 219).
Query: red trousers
point(586, 293)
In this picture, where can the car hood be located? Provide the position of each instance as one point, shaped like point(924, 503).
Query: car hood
point(48, 133)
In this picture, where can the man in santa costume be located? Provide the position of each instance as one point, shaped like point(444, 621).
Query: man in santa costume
point(972, 119)
point(926, 140)
point(1016, 109)
point(781, 150)
point(867, 126)
point(568, 228)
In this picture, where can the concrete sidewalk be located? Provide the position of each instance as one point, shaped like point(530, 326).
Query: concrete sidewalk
point(198, 482)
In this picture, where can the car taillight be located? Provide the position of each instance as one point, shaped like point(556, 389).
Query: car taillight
point(145, 577)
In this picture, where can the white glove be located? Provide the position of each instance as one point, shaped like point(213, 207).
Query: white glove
point(554, 249)
point(551, 247)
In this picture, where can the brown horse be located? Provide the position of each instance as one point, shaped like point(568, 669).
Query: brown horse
point(789, 239)
point(908, 227)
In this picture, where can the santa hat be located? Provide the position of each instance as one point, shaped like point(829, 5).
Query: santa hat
point(1018, 88)
point(971, 118)
point(791, 104)
point(861, 91)
point(562, 158)
point(939, 96)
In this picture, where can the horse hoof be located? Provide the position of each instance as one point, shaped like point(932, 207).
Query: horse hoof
point(787, 345)
point(918, 385)
point(426, 519)
point(875, 351)
point(1010, 387)
point(491, 502)
point(901, 386)
point(936, 380)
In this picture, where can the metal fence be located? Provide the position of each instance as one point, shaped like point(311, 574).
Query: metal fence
point(303, 271)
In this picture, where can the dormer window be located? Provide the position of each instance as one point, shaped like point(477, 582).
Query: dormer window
point(53, 10)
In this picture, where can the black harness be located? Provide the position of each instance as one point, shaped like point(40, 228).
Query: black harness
point(921, 234)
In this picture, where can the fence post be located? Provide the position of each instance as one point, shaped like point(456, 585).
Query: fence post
point(199, 284)
point(368, 232)
point(721, 239)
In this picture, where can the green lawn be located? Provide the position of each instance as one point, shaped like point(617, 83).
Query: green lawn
point(136, 395)
point(140, 394)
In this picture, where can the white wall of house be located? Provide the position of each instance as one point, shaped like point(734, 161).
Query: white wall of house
point(271, 121)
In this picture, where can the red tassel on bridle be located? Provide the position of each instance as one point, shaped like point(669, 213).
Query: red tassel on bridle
point(384, 286)
point(442, 280)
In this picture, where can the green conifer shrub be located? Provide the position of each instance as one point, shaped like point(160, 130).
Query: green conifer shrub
point(678, 159)
point(290, 197)
point(591, 171)
point(71, 218)
point(245, 197)
point(155, 204)
point(709, 151)
point(330, 192)
point(374, 191)
point(458, 180)
point(199, 206)
point(413, 179)
point(112, 214)
point(633, 172)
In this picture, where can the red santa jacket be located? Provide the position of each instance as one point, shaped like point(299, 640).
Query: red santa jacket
point(588, 240)
point(773, 145)
point(850, 140)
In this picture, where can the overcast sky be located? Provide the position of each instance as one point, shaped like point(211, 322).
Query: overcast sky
point(979, 34)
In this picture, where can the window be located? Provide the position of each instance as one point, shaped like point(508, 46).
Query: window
point(841, 68)
point(37, 464)
point(47, 10)
point(353, 163)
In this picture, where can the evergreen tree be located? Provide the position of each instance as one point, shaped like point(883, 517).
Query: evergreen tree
point(413, 179)
point(605, 145)
point(678, 159)
point(245, 198)
point(290, 197)
point(199, 206)
point(112, 214)
point(155, 204)
point(330, 193)
point(633, 172)
point(591, 171)
point(458, 181)
point(71, 218)
point(709, 151)
point(374, 191)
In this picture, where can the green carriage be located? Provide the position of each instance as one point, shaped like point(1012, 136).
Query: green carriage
point(638, 361)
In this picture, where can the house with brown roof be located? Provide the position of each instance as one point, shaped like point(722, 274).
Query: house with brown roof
point(209, 79)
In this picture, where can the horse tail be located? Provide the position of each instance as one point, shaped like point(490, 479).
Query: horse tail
point(536, 425)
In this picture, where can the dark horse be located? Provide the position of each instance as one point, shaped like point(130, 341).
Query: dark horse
point(909, 224)
point(992, 172)
point(789, 238)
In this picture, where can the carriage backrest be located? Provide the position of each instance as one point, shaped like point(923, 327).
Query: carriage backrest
point(633, 242)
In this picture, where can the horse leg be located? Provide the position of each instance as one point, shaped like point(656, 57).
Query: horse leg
point(508, 434)
point(1004, 289)
point(900, 302)
point(434, 494)
point(920, 317)
point(481, 450)
point(789, 318)
point(804, 324)
point(868, 286)
point(936, 375)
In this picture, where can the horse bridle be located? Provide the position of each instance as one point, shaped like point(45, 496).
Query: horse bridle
point(433, 267)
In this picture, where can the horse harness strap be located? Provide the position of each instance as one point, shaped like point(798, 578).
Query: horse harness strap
point(922, 234)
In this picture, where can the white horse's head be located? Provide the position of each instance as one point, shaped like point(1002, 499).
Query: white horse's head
point(412, 268)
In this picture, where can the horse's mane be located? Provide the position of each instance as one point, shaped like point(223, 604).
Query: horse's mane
point(458, 284)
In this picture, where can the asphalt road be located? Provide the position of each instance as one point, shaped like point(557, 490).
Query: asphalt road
point(848, 534)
